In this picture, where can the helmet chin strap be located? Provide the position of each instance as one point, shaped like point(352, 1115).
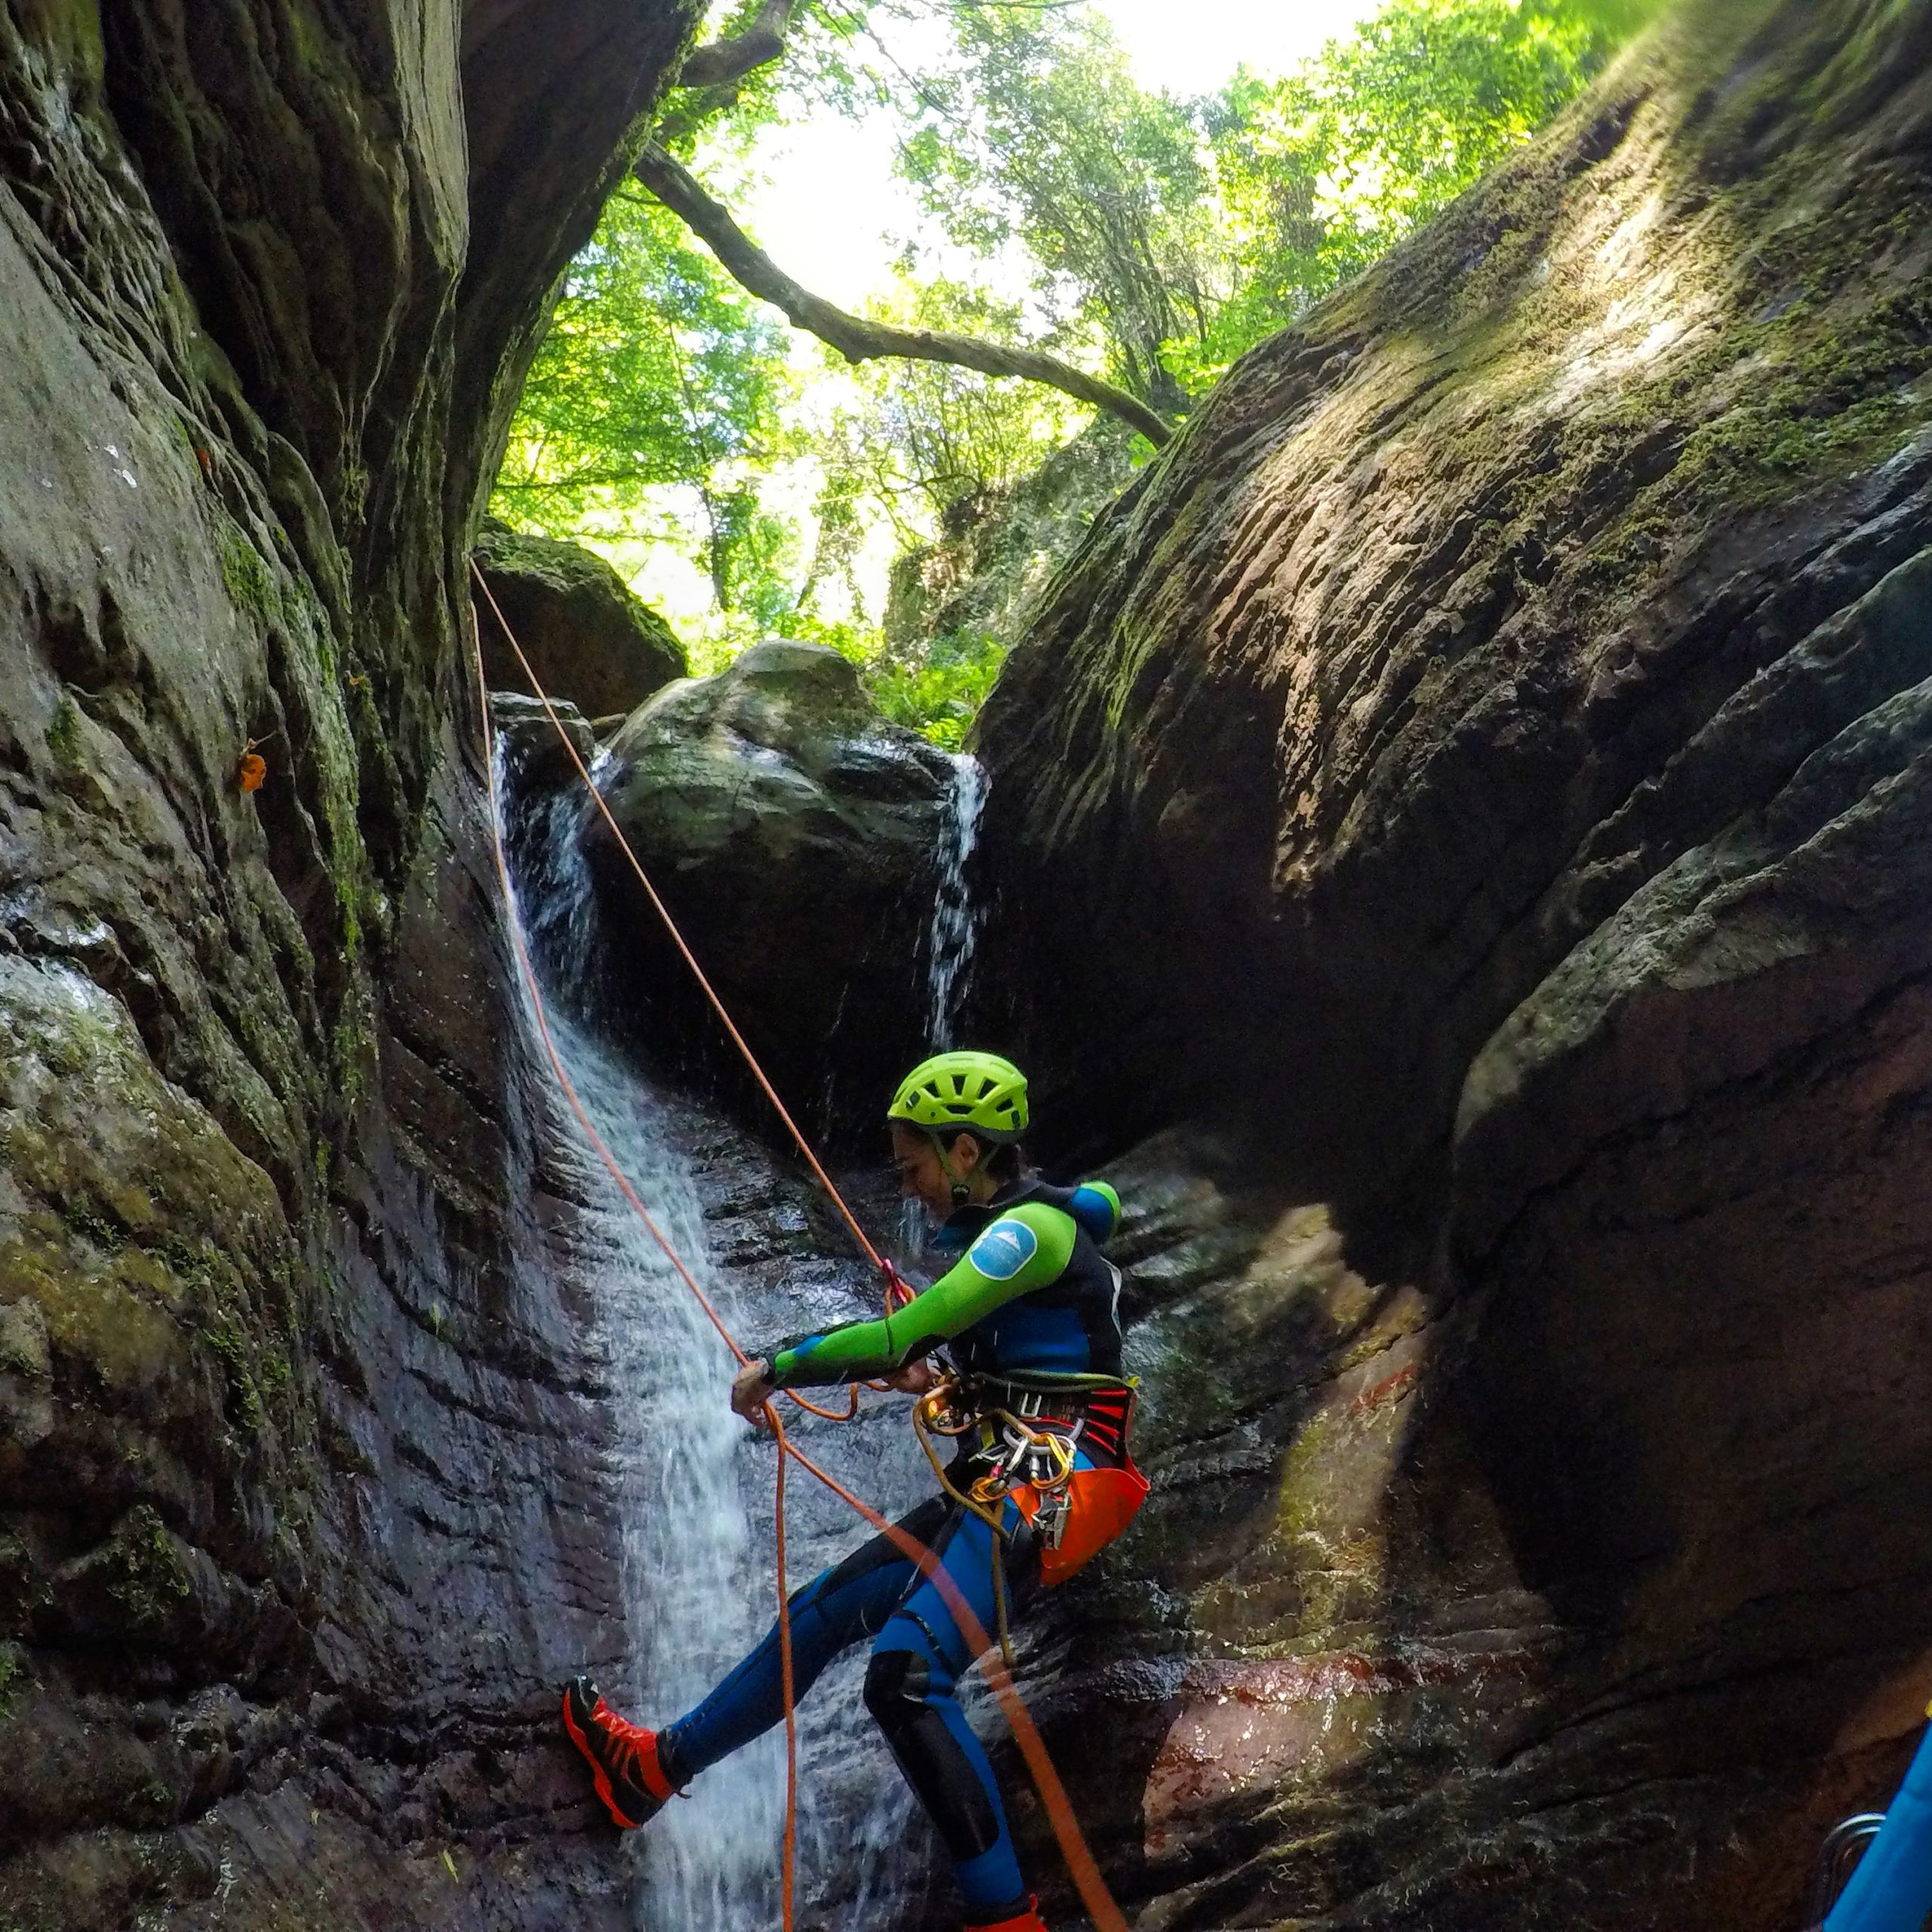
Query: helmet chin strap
point(961, 1192)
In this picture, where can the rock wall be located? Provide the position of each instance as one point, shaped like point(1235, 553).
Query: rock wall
point(275, 1398)
point(1476, 782)
point(1467, 797)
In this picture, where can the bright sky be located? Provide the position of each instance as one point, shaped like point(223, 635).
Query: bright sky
point(1192, 48)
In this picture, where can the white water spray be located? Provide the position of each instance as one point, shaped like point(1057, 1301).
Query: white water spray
point(949, 947)
point(691, 1577)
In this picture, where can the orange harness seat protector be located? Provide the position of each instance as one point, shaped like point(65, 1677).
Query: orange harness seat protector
point(1100, 1504)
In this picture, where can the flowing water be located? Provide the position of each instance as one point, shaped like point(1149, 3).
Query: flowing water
point(949, 947)
point(954, 926)
point(697, 1486)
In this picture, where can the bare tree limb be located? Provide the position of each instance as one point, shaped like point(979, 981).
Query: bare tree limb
point(854, 337)
point(721, 62)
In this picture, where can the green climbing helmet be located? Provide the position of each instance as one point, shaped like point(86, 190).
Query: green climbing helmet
point(980, 1092)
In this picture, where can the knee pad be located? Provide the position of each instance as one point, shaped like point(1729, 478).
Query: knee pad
point(896, 1685)
point(949, 1784)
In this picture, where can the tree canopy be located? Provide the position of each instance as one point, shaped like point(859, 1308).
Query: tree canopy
point(1089, 244)
point(658, 370)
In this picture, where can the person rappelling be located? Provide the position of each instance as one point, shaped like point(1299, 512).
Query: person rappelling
point(1014, 1354)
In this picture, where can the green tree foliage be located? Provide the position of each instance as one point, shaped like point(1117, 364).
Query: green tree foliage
point(940, 693)
point(1157, 237)
point(830, 62)
point(1038, 136)
point(926, 438)
point(1321, 172)
point(933, 449)
point(657, 369)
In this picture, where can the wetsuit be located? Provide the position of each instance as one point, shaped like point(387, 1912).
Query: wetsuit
point(1031, 1299)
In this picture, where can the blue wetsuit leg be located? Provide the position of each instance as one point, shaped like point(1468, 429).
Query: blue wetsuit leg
point(911, 1688)
point(911, 1685)
point(833, 1610)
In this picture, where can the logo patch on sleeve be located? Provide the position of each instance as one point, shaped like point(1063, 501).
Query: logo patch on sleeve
point(1004, 1250)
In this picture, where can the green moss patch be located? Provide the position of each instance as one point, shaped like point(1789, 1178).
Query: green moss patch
point(13, 1678)
point(147, 1261)
point(146, 1571)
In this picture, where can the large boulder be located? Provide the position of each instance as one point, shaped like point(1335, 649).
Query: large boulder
point(587, 637)
point(1483, 772)
point(792, 831)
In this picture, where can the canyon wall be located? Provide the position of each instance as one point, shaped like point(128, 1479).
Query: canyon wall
point(1456, 849)
point(1472, 797)
point(301, 1503)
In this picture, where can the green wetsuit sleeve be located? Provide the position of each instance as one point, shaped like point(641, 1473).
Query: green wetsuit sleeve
point(1026, 1248)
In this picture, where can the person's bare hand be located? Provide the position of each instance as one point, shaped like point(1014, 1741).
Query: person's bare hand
point(751, 1390)
point(916, 1378)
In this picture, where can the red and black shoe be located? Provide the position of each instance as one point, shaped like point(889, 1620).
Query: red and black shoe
point(1028, 1920)
point(622, 1757)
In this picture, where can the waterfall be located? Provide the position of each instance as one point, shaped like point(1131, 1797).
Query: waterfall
point(949, 946)
point(954, 926)
point(695, 1486)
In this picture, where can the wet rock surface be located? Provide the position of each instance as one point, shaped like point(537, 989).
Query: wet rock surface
point(537, 742)
point(590, 641)
point(791, 830)
point(1480, 769)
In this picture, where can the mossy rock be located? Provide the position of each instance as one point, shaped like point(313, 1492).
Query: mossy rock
point(147, 1316)
point(587, 638)
point(791, 828)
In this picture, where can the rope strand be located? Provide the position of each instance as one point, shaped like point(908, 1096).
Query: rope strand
point(789, 1873)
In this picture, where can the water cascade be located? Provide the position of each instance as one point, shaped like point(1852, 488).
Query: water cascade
point(696, 1485)
point(956, 924)
point(949, 946)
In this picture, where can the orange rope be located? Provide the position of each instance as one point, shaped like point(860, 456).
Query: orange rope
point(1106, 1915)
point(788, 1871)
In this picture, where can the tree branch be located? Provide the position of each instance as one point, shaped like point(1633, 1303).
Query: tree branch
point(855, 338)
point(721, 61)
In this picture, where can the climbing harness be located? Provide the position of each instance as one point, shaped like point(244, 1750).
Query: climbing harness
point(1092, 1887)
point(1028, 1455)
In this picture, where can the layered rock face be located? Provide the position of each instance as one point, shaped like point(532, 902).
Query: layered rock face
point(1478, 780)
point(277, 1391)
point(791, 830)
